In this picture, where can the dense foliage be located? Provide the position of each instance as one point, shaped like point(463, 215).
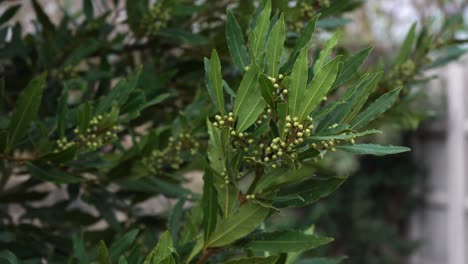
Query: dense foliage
point(100, 115)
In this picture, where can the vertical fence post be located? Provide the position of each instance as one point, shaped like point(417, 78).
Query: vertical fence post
point(455, 162)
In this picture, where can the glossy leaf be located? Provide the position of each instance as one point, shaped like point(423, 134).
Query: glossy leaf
point(407, 46)
point(373, 149)
point(258, 35)
point(301, 43)
point(306, 192)
point(122, 244)
point(266, 89)
point(235, 42)
point(163, 249)
point(285, 241)
point(318, 88)
point(249, 102)
point(351, 66)
point(25, 111)
point(275, 47)
point(298, 84)
point(326, 52)
point(9, 13)
point(217, 81)
point(210, 204)
point(237, 225)
point(254, 260)
point(52, 175)
point(374, 110)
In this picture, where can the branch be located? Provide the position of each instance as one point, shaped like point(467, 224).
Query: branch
point(207, 254)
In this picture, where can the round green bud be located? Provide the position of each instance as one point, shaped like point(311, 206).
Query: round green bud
point(280, 76)
point(285, 91)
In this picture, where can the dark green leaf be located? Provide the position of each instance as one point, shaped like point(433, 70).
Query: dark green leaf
point(372, 149)
point(103, 254)
point(88, 9)
point(9, 257)
point(351, 66)
point(52, 175)
point(163, 249)
point(407, 46)
point(259, 34)
point(119, 247)
point(301, 43)
point(25, 110)
point(326, 51)
point(210, 204)
point(285, 241)
point(43, 18)
point(217, 81)
point(267, 89)
point(306, 192)
point(318, 88)
point(374, 110)
point(235, 41)
point(174, 220)
point(298, 84)
point(254, 260)
point(240, 223)
point(274, 47)
point(9, 13)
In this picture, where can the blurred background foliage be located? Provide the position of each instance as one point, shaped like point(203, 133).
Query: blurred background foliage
point(157, 48)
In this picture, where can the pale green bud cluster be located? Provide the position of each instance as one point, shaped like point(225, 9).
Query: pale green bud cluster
point(101, 130)
point(280, 91)
point(407, 68)
point(173, 155)
point(155, 20)
point(222, 121)
point(68, 72)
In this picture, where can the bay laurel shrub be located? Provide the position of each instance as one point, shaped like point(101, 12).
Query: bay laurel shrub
point(99, 121)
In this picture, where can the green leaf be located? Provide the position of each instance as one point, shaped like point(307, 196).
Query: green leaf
point(351, 66)
point(374, 110)
point(259, 34)
point(119, 95)
point(407, 46)
point(373, 149)
point(301, 43)
point(210, 204)
point(52, 175)
point(136, 11)
point(318, 88)
point(9, 257)
point(103, 254)
point(274, 47)
point(43, 18)
point(62, 112)
point(217, 81)
point(25, 110)
point(326, 52)
point(266, 89)
point(249, 102)
point(285, 241)
point(83, 116)
point(344, 136)
point(79, 250)
point(254, 260)
point(306, 192)
point(298, 83)
point(88, 9)
point(163, 249)
point(175, 218)
point(242, 222)
point(9, 13)
point(119, 247)
point(61, 156)
point(235, 41)
point(122, 260)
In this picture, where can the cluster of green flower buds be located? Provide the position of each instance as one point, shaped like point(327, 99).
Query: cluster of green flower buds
point(156, 19)
point(68, 72)
point(173, 155)
point(224, 120)
point(407, 68)
point(101, 130)
point(295, 131)
point(280, 91)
